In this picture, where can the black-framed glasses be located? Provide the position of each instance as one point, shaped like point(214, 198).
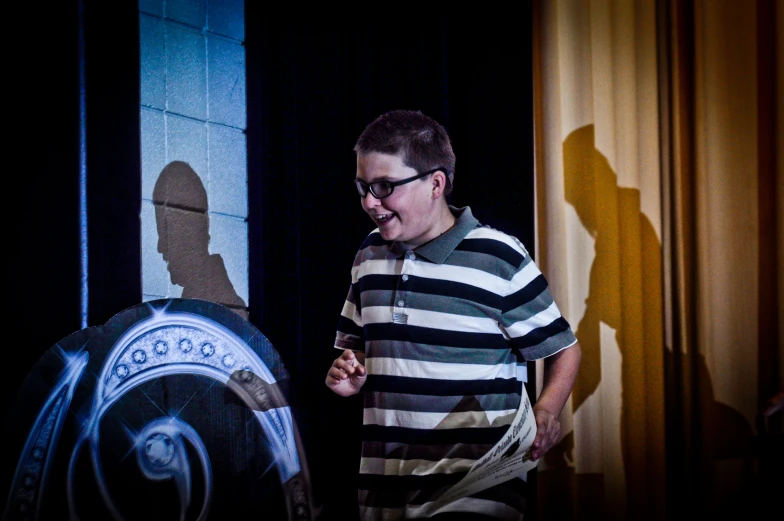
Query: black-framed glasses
point(383, 188)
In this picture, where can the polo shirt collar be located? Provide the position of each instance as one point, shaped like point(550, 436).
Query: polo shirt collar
point(442, 246)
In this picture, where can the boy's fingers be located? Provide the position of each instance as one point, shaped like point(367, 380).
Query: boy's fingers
point(537, 440)
point(345, 366)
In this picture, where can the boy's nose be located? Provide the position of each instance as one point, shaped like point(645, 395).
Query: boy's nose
point(370, 200)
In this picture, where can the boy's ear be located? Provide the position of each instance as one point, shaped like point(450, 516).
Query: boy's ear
point(438, 180)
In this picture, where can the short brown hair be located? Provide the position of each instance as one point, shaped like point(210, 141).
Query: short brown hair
point(420, 141)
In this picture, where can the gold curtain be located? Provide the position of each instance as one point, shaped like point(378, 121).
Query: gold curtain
point(659, 219)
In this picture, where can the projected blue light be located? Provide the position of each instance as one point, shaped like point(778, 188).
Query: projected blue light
point(34, 465)
point(83, 244)
point(138, 357)
point(166, 448)
point(161, 454)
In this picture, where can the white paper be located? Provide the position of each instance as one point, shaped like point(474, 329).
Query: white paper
point(508, 459)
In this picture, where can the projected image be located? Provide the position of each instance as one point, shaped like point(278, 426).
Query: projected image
point(174, 409)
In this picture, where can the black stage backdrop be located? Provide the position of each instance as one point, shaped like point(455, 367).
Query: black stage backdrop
point(313, 86)
point(47, 78)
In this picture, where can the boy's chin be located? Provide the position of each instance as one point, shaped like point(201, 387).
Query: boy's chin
point(388, 235)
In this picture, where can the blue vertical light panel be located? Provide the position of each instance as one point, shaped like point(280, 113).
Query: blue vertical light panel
point(193, 110)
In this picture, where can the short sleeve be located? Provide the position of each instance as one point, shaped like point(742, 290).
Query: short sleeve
point(349, 333)
point(530, 316)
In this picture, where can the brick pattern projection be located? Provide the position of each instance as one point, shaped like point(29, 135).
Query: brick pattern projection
point(194, 151)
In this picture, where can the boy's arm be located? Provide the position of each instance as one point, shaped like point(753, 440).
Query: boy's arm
point(560, 372)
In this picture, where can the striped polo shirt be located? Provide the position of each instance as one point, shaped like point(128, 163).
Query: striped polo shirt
point(446, 329)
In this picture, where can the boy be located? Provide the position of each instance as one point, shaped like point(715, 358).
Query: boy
point(441, 315)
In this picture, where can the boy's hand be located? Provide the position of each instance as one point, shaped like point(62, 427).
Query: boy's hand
point(347, 374)
point(548, 432)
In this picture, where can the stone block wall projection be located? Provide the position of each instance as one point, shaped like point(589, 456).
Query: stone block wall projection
point(194, 151)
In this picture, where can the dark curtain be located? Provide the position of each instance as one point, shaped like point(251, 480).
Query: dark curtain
point(42, 190)
point(312, 88)
point(88, 54)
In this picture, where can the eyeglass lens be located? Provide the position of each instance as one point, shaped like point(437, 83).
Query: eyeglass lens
point(379, 189)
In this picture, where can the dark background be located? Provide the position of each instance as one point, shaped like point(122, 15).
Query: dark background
point(312, 87)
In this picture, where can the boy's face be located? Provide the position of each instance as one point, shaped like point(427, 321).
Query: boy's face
point(410, 213)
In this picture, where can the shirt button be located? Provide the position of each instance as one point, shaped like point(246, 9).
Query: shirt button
point(405, 278)
point(410, 255)
point(400, 303)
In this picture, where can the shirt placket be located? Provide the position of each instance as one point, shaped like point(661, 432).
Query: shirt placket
point(400, 302)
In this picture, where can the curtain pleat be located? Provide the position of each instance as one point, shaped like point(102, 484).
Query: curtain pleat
point(659, 218)
point(599, 237)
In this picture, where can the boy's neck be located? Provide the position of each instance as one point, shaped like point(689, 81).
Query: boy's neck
point(445, 221)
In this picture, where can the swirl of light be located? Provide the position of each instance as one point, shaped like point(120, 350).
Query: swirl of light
point(205, 348)
point(33, 467)
point(161, 454)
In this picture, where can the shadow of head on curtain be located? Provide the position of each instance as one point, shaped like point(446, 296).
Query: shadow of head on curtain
point(625, 276)
point(625, 364)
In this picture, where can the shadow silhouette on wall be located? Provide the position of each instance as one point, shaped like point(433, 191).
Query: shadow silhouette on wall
point(625, 294)
point(183, 238)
